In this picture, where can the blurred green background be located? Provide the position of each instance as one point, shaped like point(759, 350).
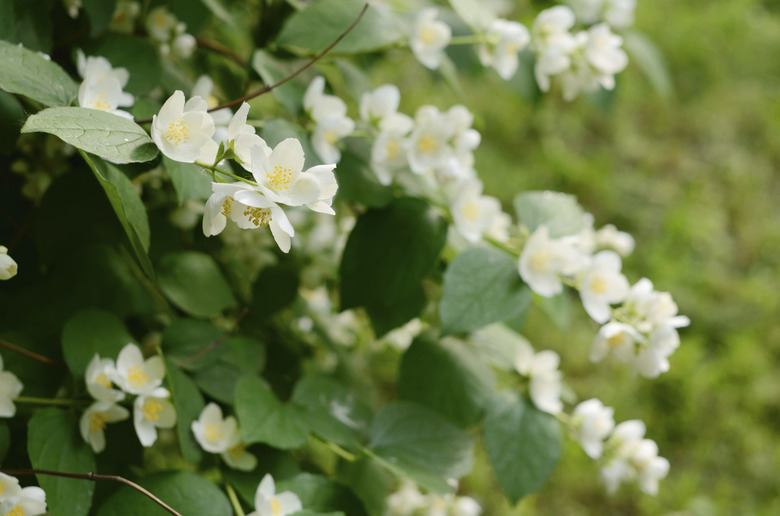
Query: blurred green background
point(694, 177)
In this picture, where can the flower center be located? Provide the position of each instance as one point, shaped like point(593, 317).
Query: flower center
point(178, 132)
point(540, 262)
point(152, 409)
point(392, 149)
point(428, 36)
point(227, 205)
point(102, 379)
point(280, 178)
point(470, 211)
point(16, 511)
point(616, 341)
point(276, 507)
point(427, 144)
point(331, 136)
point(99, 103)
point(3, 485)
point(97, 421)
point(136, 376)
point(237, 450)
point(213, 433)
point(258, 216)
point(598, 285)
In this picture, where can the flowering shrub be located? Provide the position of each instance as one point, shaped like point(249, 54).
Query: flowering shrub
point(134, 342)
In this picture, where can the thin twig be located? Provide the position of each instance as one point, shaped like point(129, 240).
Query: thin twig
point(208, 349)
point(93, 477)
point(30, 354)
point(222, 49)
point(266, 89)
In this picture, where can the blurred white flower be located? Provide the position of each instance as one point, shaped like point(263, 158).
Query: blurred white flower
point(8, 266)
point(213, 433)
point(545, 378)
point(102, 86)
point(405, 500)
point(94, 420)
point(182, 131)
point(633, 458)
point(602, 284)
point(474, 214)
point(618, 338)
point(10, 388)
point(270, 503)
point(237, 457)
point(18, 501)
point(504, 39)
point(135, 375)
point(544, 260)
point(380, 103)
point(99, 380)
point(161, 23)
point(204, 88)
point(151, 412)
point(429, 38)
point(608, 237)
point(593, 422)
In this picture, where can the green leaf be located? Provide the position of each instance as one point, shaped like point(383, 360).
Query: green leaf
point(219, 10)
point(317, 26)
point(89, 332)
point(319, 495)
point(11, 116)
point(275, 288)
point(265, 419)
point(369, 481)
point(54, 443)
point(417, 443)
point(24, 72)
point(137, 54)
point(332, 411)
point(272, 70)
point(100, 13)
point(194, 283)
point(391, 250)
point(109, 136)
point(558, 211)
point(127, 205)
point(650, 60)
point(239, 355)
point(185, 339)
point(8, 21)
point(447, 377)
point(184, 491)
point(523, 444)
point(481, 286)
point(5, 440)
point(357, 181)
point(35, 24)
point(557, 308)
point(189, 180)
point(499, 345)
point(189, 403)
point(474, 13)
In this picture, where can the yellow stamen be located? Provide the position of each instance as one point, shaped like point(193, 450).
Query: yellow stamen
point(540, 261)
point(331, 136)
point(136, 376)
point(258, 216)
point(97, 421)
point(392, 149)
point(227, 205)
point(237, 450)
point(276, 507)
point(213, 433)
point(3, 485)
point(280, 178)
point(616, 341)
point(178, 132)
point(16, 511)
point(428, 36)
point(102, 379)
point(99, 103)
point(598, 286)
point(427, 144)
point(470, 211)
point(152, 409)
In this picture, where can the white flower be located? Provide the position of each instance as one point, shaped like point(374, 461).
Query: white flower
point(602, 284)
point(222, 204)
point(124, 16)
point(429, 38)
point(270, 503)
point(72, 6)
point(243, 138)
point(650, 467)
point(603, 52)
point(652, 360)
point(474, 214)
point(619, 338)
point(8, 266)
point(544, 260)
point(237, 457)
point(653, 308)
point(327, 133)
point(10, 388)
point(608, 237)
point(151, 412)
point(545, 384)
point(102, 86)
point(633, 457)
point(401, 338)
point(552, 42)
point(504, 40)
point(320, 105)
point(213, 433)
point(388, 153)
point(587, 11)
point(203, 88)
point(160, 24)
point(93, 422)
point(428, 145)
point(183, 45)
point(619, 13)
point(377, 105)
point(98, 379)
point(405, 500)
point(593, 422)
point(183, 131)
point(465, 506)
point(18, 501)
point(136, 376)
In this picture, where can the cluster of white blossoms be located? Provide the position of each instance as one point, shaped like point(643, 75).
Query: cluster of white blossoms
point(407, 500)
point(544, 378)
point(270, 503)
point(222, 436)
point(625, 454)
point(617, 13)
point(102, 85)
point(582, 61)
point(10, 388)
point(329, 114)
point(169, 33)
point(8, 266)
point(185, 131)
point(109, 383)
point(642, 330)
point(16, 500)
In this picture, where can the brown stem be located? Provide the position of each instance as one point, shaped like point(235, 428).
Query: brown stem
point(222, 49)
point(208, 349)
point(30, 354)
point(266, 89)
point(93, 477)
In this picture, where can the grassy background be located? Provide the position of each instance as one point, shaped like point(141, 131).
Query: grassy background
point(694, 177)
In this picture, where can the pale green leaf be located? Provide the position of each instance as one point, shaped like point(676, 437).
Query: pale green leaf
point(25, 72)
point(265, 419)
point(558, 211)
point(475, 13)
point(646, 54)
point(193, 282)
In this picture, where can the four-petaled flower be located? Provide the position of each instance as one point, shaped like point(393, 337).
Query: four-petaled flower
point(182, 131)
point(270, 503)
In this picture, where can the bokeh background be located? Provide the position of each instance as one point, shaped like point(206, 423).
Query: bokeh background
point(694, 175)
